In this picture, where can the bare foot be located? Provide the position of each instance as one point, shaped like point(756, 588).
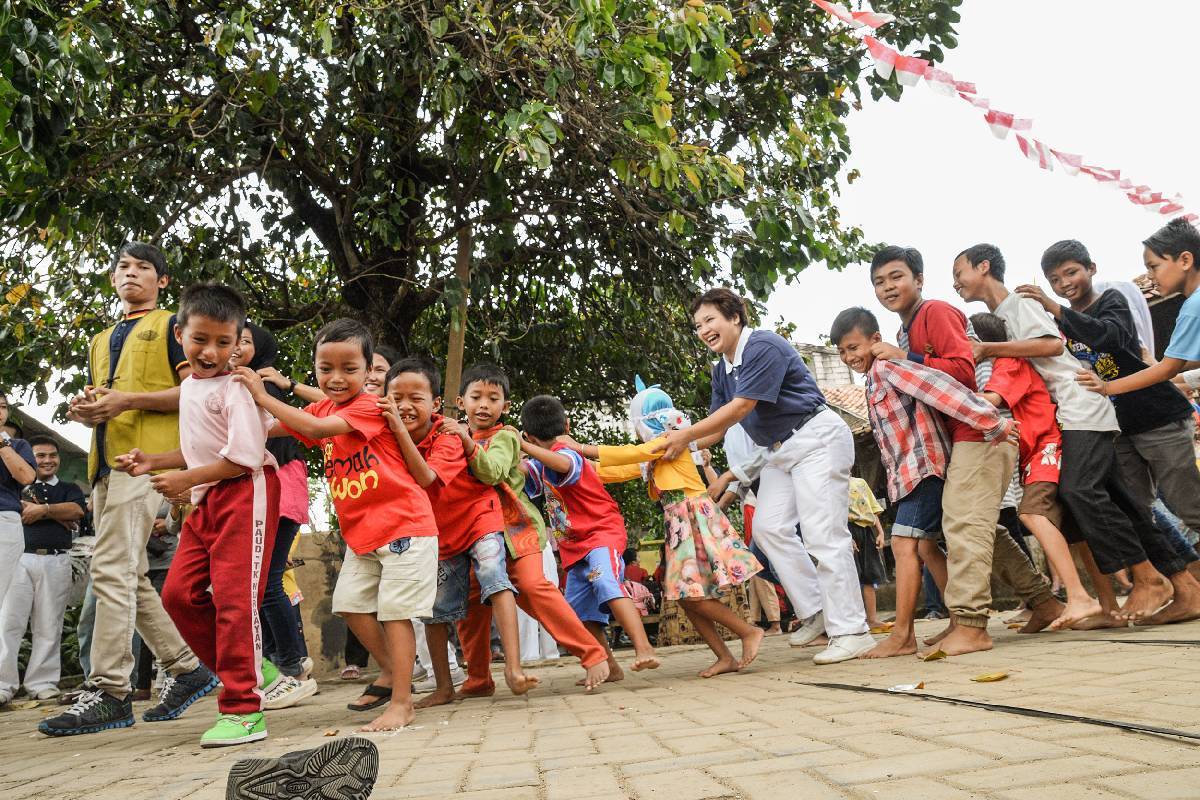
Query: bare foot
point(1076, 611)
point(596, 675)
point(965, 639)
point(1043, 614)
point(775, 630)
point(1146, 598)
point(615, 673)
point(1098, 621)
point(465, 694)
point(720, 667)
point(1184, 606)
point(820, 641)
point(396, 717)
point(750, 644)
point(438, 697)
point(520, 683)
point(897, 643)
point(932, 640)
point(646, 660)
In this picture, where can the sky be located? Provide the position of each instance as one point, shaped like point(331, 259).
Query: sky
point(1097, 77)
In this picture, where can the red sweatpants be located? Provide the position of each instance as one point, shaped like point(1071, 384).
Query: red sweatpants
point(540, 599)
point(226, 543)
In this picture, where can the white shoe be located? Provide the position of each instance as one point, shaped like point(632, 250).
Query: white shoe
point(458, 676)
point(49, 693)
point(845, 648)
point(808, 631)
point(306, 667)
point(288, 691)
point(5, 697)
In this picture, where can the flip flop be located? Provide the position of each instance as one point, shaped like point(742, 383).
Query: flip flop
point(384, 693)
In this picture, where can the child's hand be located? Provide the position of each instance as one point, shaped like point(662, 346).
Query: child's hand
point(459, 429)
point(391, 413)
point(717, 488)
point(570, 442)
point(1035, 294)
point(979, 351)
point(1012, 435)
point(888, 352)
point(706, 454)
point(274, 376)
point(252, 381)
point(134, 463)
point(172, 484)
point(1091, 381)
point(879, 540)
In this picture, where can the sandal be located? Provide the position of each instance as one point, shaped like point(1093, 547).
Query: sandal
point(383, 693)
point(351, 672)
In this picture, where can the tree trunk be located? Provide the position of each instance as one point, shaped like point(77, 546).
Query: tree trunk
point(458, 318)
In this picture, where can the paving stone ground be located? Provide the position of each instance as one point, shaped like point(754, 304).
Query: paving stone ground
point(760, 734)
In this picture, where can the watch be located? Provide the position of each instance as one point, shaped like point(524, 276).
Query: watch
point(291, 385)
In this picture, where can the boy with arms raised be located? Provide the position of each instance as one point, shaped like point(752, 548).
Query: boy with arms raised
point(388, 576)
point(1120, 532)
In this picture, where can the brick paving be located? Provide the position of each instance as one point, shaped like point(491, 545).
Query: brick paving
point(670, 735)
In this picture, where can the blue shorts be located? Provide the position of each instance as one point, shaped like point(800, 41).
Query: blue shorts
point(488, 557)
point(593, 581)
point(919, 513)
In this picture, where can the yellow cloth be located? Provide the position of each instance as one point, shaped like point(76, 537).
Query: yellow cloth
point(863, 505)
point(142, 367)
point(290, 587)
point(624, 463)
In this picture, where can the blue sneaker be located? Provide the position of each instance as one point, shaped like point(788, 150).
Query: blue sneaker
point(181, 693)
point(93, 712)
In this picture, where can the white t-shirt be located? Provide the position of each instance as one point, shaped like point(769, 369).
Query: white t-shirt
point(219, 419)
point(1078, 408)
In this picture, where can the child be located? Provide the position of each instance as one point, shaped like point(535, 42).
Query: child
point(902, 398)
point(1014, 384)
point(494, 454)
point(934, 333)
point(1119, 532)
point(705, 557)
point(226, 541)
point(589, 528)
point(867, 532)
point(388, 575)
point(470, 524)
point(1154, 450)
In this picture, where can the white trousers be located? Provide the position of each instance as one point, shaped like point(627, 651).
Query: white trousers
point(423, 661)
point(12, 545)
point(38, 594)
point(806, 482)
point(536, 643)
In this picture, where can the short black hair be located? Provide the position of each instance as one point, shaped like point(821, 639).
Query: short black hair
point(629, 556)
point(389, 354)
point(989, 327)
point(911, 256)
point(1174, 238)
point(544, 417)
point(853, 319)
point(346, 330)
point(978, 253)
point(485, 373)
point(142, 252)
point(42, 439)
point(213, 300)
point(423, 366)
point(727, 301)
point(16, 426)
point(1060, 253)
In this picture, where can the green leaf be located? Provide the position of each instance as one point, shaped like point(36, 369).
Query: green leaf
point(438, 27)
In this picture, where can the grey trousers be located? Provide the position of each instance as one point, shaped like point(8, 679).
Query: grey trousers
point(1162, 462)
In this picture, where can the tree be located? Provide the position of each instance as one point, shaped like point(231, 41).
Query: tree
point(604, 157)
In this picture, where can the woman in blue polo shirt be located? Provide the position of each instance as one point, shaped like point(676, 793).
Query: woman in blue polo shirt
point(761, 382)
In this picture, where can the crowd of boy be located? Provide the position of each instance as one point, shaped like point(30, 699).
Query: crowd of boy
point(1053, 411)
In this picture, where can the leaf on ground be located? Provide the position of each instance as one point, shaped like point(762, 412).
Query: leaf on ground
point(331, 732)
point(990, 677)
point(936, 655)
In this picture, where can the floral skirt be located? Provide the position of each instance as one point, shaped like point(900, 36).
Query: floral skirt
point(704, 553)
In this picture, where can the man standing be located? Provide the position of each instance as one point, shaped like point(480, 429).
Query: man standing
point(16, 472)
point(132, 402)
point(39, 591)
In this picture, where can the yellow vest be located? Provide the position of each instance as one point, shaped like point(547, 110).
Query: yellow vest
point(142, 367)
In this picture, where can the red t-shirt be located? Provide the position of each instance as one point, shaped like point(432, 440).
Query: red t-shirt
point(375, 497)
point(937, 334)
point(579, 510)
point(466, 509)
point(1025, 394)
point(635, 572)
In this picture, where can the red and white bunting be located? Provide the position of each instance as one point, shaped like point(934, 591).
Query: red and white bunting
point(940, 81)
point(1001, 122)
point(883, 56)
point(858, 19)
point(910, 69)
point(1037, 152)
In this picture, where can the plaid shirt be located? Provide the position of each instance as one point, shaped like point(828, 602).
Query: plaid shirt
point(903, 399)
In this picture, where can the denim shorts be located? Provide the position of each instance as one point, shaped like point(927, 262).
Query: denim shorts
point(488, 558)
point(919, 513)
point(593, 581)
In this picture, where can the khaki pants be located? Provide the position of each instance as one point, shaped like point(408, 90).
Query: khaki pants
point(763, 598)
point(978, 475)
point(124, 509)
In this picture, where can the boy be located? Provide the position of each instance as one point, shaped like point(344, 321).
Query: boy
point(1120, 532)
point(903, 398)
point(231, 479)
point(494, 454)
point(386, 520)
point(470, 524)
point(1014, 385)
point(589, 528)
point(934, 333)
point(132, 401)
point(867, 531)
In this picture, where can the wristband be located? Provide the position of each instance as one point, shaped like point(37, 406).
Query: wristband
point(291, 385)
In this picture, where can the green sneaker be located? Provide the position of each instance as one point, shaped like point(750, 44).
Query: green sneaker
point(234, 729)
point(270, 676)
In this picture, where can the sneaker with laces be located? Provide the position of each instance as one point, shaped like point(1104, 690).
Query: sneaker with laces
point(458, 677)
point(234, 729)
point(93, 712)
point(344, 769)
point(270, 676)
point(180, 693)
point(287, 692)
point(808, 631)
point(845, 648)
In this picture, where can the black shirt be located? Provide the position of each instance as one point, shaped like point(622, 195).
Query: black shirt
point(1103, 337)
point(50, 534)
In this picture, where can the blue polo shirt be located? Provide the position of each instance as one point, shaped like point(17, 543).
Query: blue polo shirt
point(10, 490)
point(768, 369)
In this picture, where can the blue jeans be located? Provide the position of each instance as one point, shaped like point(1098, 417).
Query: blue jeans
point(1174, 529)
point(488, 557)
point(85, 628)
point(933, 598)
point(276, 613)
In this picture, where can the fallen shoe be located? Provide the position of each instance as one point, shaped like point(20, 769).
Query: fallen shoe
point(93, 712)
point(344, 769)
point(234, 729)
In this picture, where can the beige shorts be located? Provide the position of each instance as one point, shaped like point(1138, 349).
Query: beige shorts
point(397, 581)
